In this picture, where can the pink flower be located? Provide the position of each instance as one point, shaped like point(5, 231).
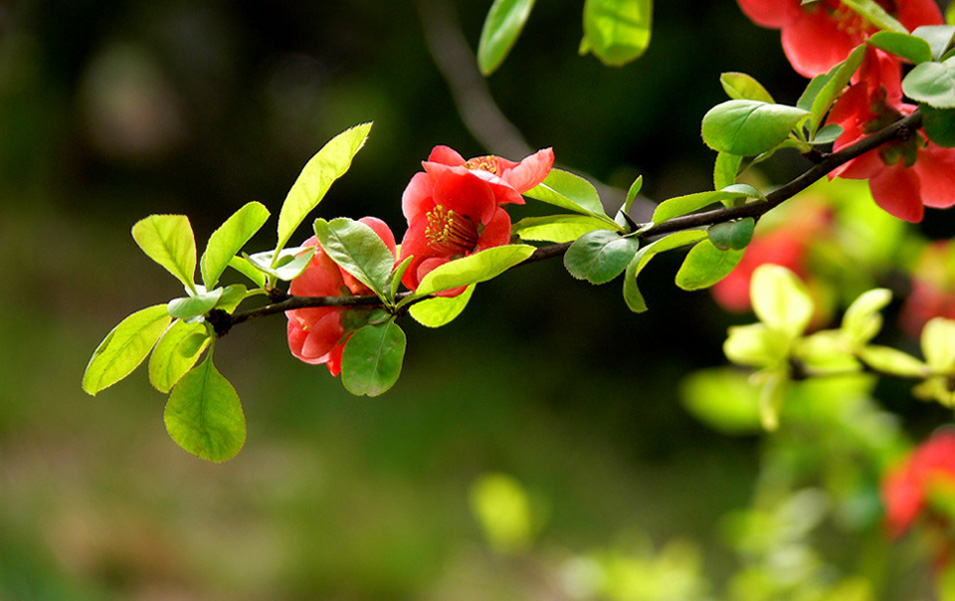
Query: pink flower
point(818, 35)
point(904, 175)
point(507, 179)
point(450, 215)
point(908, 488)
point(318, 334)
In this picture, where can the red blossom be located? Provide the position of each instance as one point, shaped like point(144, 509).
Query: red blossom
point(318, 334)
point(507, 179)
point(907, 488)
point(818, 35)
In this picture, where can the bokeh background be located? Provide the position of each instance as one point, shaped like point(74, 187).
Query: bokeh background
point(111, 110)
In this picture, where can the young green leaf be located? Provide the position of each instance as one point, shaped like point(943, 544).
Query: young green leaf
point(228, 240)
point(557, 228)
point(631, 293)
point(169, 241)
point(939, 125)
point(371, 361)
point(725, 169)
point(176, 352)
point(204, 415)
point(863, 320)
point(616, 31)
point(780, 299)
point(756, 345)
point(473, 269)
point(572, 192)
point(358, 250)
point(438, 311)
point(938, 344)
point(394, 281)
point(632, 193)
point(289, 264)
point(939, 38)
point(501, 29)
point(328, 164)
point(231, 298)
point(246, 268)
point(599, 256)
point(683, 205)
point(932, 84)
point(723, 399)
point(892, 361)
point(909, 47)
point(188, 307)
point(833, 87)
point(749, 127)
point(771, 397)
point(732, 235)
point(124, 348)
point(875, 14)
point(740, 86)
point(705, 265)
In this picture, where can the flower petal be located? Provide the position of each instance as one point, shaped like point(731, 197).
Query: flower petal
point(466, 194)
point(770, 13)
point(446, 156)
point(497, 232)
point(935, 167)
point(530, 171)
point(896, 190)
point(814, 43)
point(417, 198)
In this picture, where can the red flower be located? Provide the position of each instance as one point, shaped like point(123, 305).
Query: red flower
point(933, 288)
point(507, 179)
point(318, 334)
point(450, 215)
point(818, 35)
point(904, 175)
point(907, 489)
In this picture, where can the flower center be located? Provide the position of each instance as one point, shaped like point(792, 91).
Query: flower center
point(851, 22)
point(487, 163)
point(451, 233)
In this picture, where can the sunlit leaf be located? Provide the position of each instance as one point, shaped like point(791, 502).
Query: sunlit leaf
point(599, 256)
point(631, 292)
point(683, 205)
point(192, 306)
point(863, 320)
point(938, 344)
point(833, 87)
point(228, 240)
point(740, 86)
point(705, 265)
point(616, 31)
point(473, 269)
point(504, 511)
point(749, 127)
point(632, 193)
point(169, 241)
point(503, 25)
point(939, 38)
point(290, 264)
point(176, 352)
point(557, 228)
point(371, 361)
point(780, 299)
point(755, 345)
point(875, 14)
point(723, 399)
point(124, 348)
point(438, 311)
point(249, 270)
point(892, 361)
point(358, 250)
point(571, 192)
point(725, 169)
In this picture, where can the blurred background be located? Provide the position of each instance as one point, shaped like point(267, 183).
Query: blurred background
point(547, 392)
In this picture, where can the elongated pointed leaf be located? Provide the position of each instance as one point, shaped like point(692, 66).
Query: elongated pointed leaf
point(938, 344)
point(599, 256)
point(616, 31)
point(749, 127)
point(557, 228)
point(328, 164)
point(438, 311)
point(371, 361)
point(228, 240)
point(124, 348)
point(632, 193)
point(357, 249)
point(249, 270)
point(473, 269)
point(572, 192)
point(176, 352)
point(705, 265)
point(740, 86)
point(840, 75)
point(725, 170)
point(169, 241)
point(682, 205)
point(503, 25)
point(631, 293)
point(204, 415)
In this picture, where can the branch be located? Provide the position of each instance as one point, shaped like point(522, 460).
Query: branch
point(222, 322)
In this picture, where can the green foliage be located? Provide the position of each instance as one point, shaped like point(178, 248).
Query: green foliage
point(938, 346)
point(250, 270)
point(177, 352)
point(862, 320)
point(599, 256)
point(124, 348)
point(631, 293)
point(749, 127)
point(725, 169)
point(939, 38)
point(616, 31)
point(371, 361)
point(732, 235)
point(780, 299)
point(632, 193)
point(327, 165)
point(824, 89)
point(875, 14)
point(911, 48)
point(571, 192)
point(503, 25)
point(723, 399)
point(504, 510)
point(359, 250)
point(438, 311)
point(286, 265)
point(557, 228)
point(189, 307)
point(932, 84)
point(740, 86)
point(473, 269)
point(682, 205)
point(204, 415)
point(705, 265)
point(226, 242)
point(169, 241)
point(939, 125)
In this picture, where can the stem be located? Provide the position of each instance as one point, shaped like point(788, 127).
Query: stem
point(222, 322)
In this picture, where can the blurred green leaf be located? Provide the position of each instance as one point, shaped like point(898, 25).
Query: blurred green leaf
point(473, 269)
point(599, 256)
point(772, 393)
point(192, 306)
point(124, 348)
point(358, 250)
point(705, 265)
point(557, 228)
point(932, 84)
point(740, 86)
point(863, 320)
point(616, 31)
point(204, 415)
point(938, 344)
point(723, 399)
point(909, 47)
point(228, 240)
point(749, 127)
point(892, 361)
point(169, 241)
point(939, 125)
point(756, 345)
point(504, 511)
point(371, 361)
point(176, 353)
point(631, 293)
point(327, 165)
point(438, 311)
point(503, 25)
point(780, 299)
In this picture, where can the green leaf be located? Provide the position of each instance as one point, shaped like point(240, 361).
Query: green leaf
point(705, 265)
point(749, 127)
point(231, 298)
point(371, 361)
point(473, 269)
point(505, 512)
point(892, 361)
point(722, 399)
point(438, 311)
point(827, 134)
point(328, 164)
point(813, 88)
point(358, 250)
point(833, 87)
point(949, 14)
point(755, 345)
point(732, 235)
point(124, 348)
point(599, 256)
point(631, 293)
point(246, 268)
point(875, 14)
point(176, 352)
point(725, 169)
point(290, 264)
point(683, 205)
point(740, 86)
point(939, 125)
point(632, 193)
point(503, 25)
point(909, 47)
point(938, 344)
point(204, 415)
point(394, 281)
point(939, 38)
point(771, 397)
point(780, 299)
point(863, 320)
point(192, 306)
point(616, 31)
point(228, 240)
point(169, 241)
point(557, 228)
point(571, 192)
point(932, 84)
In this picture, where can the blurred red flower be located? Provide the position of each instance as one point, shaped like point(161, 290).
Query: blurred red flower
point(908, 488)
point(318, 334)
